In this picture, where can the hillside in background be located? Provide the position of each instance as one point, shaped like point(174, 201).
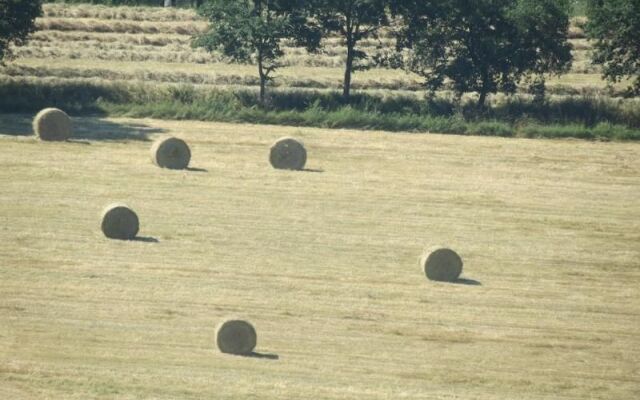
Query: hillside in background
point(138, 61)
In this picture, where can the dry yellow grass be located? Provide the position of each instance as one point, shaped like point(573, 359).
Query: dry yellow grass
point(222, 73)
point(324, 263)
point(119, 13)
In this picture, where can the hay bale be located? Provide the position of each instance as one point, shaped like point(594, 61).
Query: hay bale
point(288, 153)
point(236, 337)
point(172, 153)
point(120, 222)
point(441, 264)
point(52, 124)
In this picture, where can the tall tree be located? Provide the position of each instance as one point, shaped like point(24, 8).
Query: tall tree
point(17, 21)
point(615, 25)
point(249, 31)
point(354, 20)
point(486, 46)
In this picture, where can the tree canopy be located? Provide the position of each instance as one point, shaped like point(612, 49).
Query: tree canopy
point(615, 25)
point(249, 31)
point(17, 21)
point(485, 46)
point(353, 20)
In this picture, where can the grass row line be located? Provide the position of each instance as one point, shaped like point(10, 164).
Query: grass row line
point(117, 26)
point(188, 27)
point(150, 39)
point(163, 39)
point(214, 78)
point(181, 53)
point(226, 75)
point(156, 14)
point(587, 118)
point(184, 54)
point(332, 45)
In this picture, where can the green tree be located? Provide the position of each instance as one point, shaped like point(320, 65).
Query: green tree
point(17, 21)
point(615, 25)
point(354, 20)
point(486, 46)
point(252, 31)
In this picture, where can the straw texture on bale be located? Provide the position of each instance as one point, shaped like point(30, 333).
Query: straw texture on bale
point(120, 222)
point(441, 264)
point(288, 153)
point(172, 153)
point(236, 337)
point(52, 124)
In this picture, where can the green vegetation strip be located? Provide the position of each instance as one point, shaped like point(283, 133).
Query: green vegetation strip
point(578, 117)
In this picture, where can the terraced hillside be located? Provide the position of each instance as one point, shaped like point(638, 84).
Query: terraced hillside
point(152, 45)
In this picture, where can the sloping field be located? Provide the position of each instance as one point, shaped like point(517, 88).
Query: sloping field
point(323, 262)
point(153, 45)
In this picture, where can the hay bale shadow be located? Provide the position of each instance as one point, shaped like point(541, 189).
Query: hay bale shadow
point(318, 171)
point(84, 128)
point(192, 169)
point(145, 239)
point(469, 282)
point(81, 141)
point(265, 356)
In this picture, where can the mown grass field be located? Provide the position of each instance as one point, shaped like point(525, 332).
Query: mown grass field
point(323, 262)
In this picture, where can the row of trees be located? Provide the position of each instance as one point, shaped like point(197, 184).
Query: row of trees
point(482, 46)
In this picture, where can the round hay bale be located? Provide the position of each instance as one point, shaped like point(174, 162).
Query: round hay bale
point(120, 222)
point(441, 264)
point(236, 337)
point(288, 153)
point(52, 124)
point(172, 153)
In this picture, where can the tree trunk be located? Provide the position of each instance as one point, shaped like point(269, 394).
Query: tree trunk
point(482, 98)
point(263, 89)
point(346, 85)
point(263, 78)
point(168, 3)
point(348, 32)
point(483, 89)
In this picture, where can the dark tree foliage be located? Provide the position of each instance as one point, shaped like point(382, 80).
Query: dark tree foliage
point(117, 2)
point(354, 20)
point(485, 46)
point(17, 21)
point(615, 26)
point(252, 31)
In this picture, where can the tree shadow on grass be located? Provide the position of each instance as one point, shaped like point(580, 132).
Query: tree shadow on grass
point(16, 124)
point(84, 128)
point(469, 282)
point(100, 129)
